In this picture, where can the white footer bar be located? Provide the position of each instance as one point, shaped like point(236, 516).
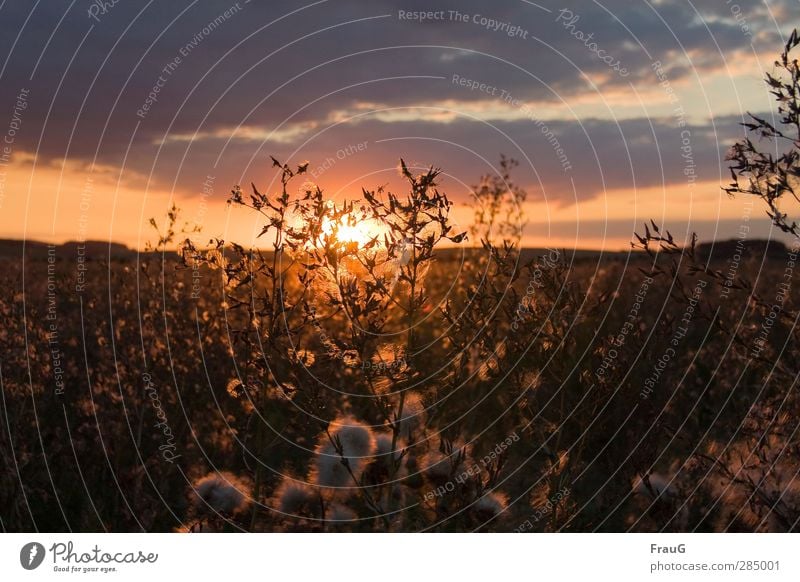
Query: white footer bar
point(399, 557)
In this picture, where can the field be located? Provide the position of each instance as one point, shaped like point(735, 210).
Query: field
point(353, 380)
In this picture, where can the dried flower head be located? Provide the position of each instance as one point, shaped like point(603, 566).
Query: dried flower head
point(296, 498)
point(412, 417)
point(223, 493)
point(339, 513)
point(654, 486)
point(383, 447)
point(440, 466)
point(337, 469)
point(490, 505)
point(356, 437)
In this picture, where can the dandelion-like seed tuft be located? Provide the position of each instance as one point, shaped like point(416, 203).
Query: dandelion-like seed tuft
point(412, 418)
point(490, 505)
point(223, 493)
point(295, 498)
point(357, 444)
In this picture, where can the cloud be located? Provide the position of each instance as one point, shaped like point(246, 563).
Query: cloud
point(226, 84)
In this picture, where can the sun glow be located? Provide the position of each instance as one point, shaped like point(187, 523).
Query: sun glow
point(349, 230)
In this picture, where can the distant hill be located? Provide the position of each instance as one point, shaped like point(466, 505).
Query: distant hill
point(11, 248)
point(725, 250)
point(14, 249)
point(721, 250)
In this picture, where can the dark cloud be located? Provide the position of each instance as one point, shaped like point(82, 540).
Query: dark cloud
point(265, 63)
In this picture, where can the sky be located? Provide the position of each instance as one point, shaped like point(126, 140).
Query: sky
point(618, 111)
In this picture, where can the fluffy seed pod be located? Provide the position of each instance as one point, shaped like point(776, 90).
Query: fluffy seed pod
point(340, 514)
point(412, 418)
point(490, 506)
point(223, 493)
point(357, 446)
point(296, 499)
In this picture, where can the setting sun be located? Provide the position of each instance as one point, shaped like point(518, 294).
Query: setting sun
point(349, 229)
